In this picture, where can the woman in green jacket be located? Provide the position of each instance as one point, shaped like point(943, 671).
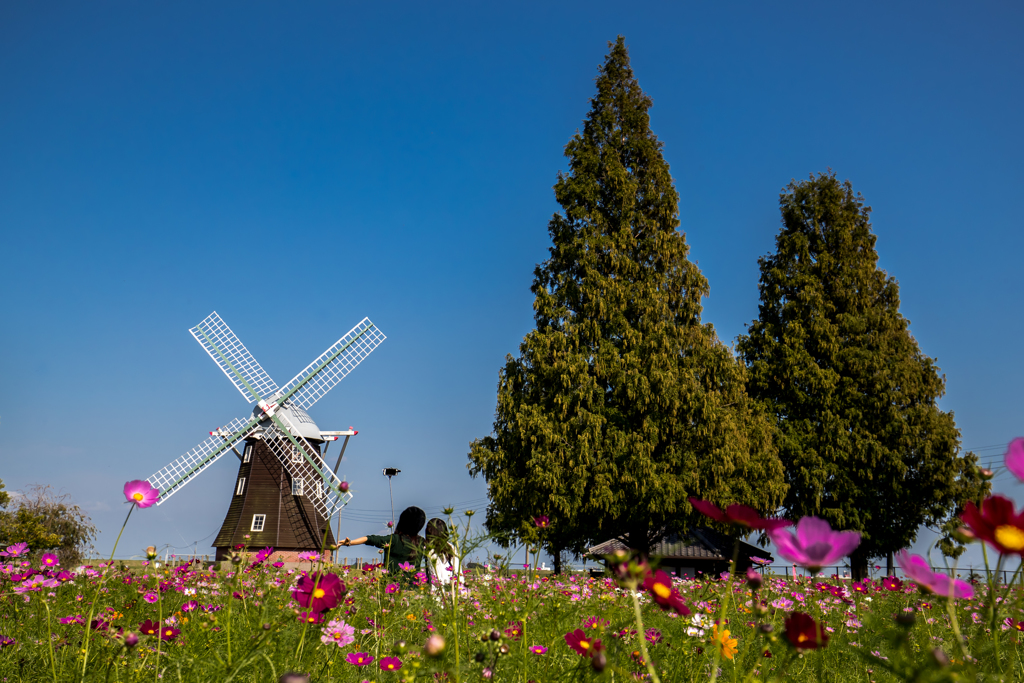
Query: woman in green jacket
point(401, 547)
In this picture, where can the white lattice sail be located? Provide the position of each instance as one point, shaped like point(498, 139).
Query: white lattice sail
point(231, 356)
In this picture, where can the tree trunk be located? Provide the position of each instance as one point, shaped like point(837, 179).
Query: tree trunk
point(556, 555)
point(859, 565)
point(888, 565)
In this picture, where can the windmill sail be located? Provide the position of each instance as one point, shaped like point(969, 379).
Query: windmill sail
point(231, 356)
point(303, 463)
point(170, 479)
point(320, 376)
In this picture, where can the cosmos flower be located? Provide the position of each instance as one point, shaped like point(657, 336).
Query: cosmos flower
point(262, 555)
point(541, 522)
point(391, 588)
point(1014, 458)
point(73, 619)
point(803, 633)
point(150, 597)
point(359, 658)
point(339, 633)
point(891, 583)
point(659, 584)
point(726, 645)
point(538, 649)
point(149, 627)
point(739, 514)
point(311, 617)
point(49, 560)
point(141, 493)
point(917, 570)
point(168, 633)
point(5, 641)
point(390, 664)
point(582, 644)
point(16, 550)
point(308, 555)
point(190, 606)
point(653, 636)
point(514, 630)
point(997, 524)
point(814, 545)
point(319, 592)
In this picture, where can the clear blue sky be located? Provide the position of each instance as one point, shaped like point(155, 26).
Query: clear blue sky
point(299, 167)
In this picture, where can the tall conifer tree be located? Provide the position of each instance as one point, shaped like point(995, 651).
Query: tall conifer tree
point(622, 403)
point(864, 444)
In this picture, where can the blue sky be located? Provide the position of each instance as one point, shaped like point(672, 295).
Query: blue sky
point(298, 168)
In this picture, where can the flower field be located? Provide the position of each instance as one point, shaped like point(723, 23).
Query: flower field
point(258, 621)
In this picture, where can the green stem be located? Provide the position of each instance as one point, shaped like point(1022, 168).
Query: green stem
point(642, 636)
point(96, 595)
point(49, 641)
point(160, 627)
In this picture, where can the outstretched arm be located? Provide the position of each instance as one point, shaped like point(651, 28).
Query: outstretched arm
point(354, 541)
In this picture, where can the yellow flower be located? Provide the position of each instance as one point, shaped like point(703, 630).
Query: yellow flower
point(410, 617)
point(726, 645)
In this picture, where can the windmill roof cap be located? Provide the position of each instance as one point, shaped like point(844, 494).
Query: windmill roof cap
point(299, 418)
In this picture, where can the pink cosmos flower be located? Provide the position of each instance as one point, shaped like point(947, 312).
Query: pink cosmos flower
point(311, 617)
point(73, 619)
point(917, 570)
point(406, 566)
point(542, 522)
point(1014, 458)
point(150, 597)
point(538, 649)
point(5, 641)
point(339, 633)
point(582, 644)
point(739, 514)
point(814, 545)
point(311, 556)
point(190, 606)
point(390, 664)
point(141, 493)
point(16, 550)
point(319, 592)
point(391, 588)
point(359, 658)
point(263, 554)
point(49, 560)
point(891, 583)
point(659, 584)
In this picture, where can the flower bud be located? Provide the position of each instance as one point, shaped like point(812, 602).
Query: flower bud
point(266, 627)
point(964, 535)
point(495, 635)
point(480, 656)
point(343, 487)
point(448, 511)
point(766, 628)
point(503, 649)
point(236, 559)
point(754, 580)
point(940, 657)
point(598, 662)
point(151, 553)
point(130, 640)
point(469, 513)
point(434, 645)
point(986, 473)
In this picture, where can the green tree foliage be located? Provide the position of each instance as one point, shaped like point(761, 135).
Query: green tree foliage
point(864, 444)
point(46, 521)
point(622, 403)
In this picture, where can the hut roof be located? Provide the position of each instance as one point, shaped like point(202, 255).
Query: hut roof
point(698, 544)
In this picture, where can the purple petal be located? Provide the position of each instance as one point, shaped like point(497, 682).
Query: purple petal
point(811, 530)
point(843, 543)
point(1015, 457)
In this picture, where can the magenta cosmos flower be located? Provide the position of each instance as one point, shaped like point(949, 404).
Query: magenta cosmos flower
point(49, 560)
point(359, 658)
point(917, 570)
point(814, 545)
point(583, 644)
point(141, 493)
point(319, 592)
point(390, 664)
point(538, 649)
point(1014, 458)
point(740, 515)
point(659, 584)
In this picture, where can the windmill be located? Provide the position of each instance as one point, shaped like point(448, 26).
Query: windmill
point(285, 493)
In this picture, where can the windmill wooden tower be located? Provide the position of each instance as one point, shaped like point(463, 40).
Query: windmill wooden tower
point(285, 493)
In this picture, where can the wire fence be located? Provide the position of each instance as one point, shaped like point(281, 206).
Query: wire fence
point(843, 573)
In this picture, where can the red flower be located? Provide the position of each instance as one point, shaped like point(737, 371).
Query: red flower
point(739, 514)
point(891, 583)
point(659, 584)
point(803, 633)
point(149, 627)
point(311, 617)
point(542, 522)
point(583, 645)
point(167, 633)
point(319, 592)
point(997, 524)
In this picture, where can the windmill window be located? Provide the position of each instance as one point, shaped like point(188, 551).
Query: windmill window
point(247, 453)
point(297, 486)
point(296, 456)
point(257, 522)
point(319, 489)
point(240, 489)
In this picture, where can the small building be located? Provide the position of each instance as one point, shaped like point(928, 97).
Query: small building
point(701, 552)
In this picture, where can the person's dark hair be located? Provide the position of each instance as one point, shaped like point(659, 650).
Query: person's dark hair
point(410, 522)
point(437, 539)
